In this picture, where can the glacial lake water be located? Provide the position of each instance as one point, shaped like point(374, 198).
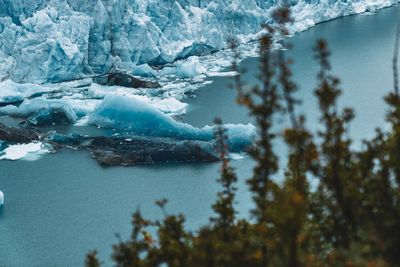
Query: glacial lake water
point(62, 205)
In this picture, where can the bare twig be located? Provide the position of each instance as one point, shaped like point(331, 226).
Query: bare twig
point(395, 61)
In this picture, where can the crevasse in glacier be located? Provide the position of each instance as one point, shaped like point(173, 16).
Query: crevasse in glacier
point(56, 40)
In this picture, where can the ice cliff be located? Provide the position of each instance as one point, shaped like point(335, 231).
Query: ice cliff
point(55, 40)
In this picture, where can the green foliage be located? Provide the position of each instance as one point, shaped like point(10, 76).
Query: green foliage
point(352, 218)
point(91, 259)
point(224, 205)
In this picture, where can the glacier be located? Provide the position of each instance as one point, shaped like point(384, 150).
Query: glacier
point(57, 40)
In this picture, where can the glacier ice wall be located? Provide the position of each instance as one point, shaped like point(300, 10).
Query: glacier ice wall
point(55, 40)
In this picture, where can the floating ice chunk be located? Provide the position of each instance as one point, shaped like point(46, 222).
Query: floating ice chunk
point(188, 68)
point(141, 118)
point(73, 101)
point(51, 116)
point(223, 74)
point(236, 156)
point(1, 199)
point(31, 151)
point(144, 70)
point(131, 114)
point(29, 107)
point(82, 121)
point(100, 91)
point(81, 107)
point(13, 92)
point(169, 105)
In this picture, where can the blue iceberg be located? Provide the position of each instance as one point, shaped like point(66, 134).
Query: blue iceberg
point(140, 118)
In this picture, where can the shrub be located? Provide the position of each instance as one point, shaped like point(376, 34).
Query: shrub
point(351, 219)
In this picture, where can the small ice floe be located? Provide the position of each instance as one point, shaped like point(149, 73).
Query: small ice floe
point(144, 70)
point(1, 199)
point(15, 92)
point(236, 156)
point(223, 74)
point(31, 151)
point(187, 68)
point(367, 13)
point(83, 121)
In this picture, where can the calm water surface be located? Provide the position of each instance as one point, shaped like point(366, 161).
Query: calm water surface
point(62, 205)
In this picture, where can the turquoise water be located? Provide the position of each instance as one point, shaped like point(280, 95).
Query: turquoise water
point(62, 205)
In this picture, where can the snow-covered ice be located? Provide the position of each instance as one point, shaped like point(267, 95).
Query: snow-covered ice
point(236, 156)
point(30, 151)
